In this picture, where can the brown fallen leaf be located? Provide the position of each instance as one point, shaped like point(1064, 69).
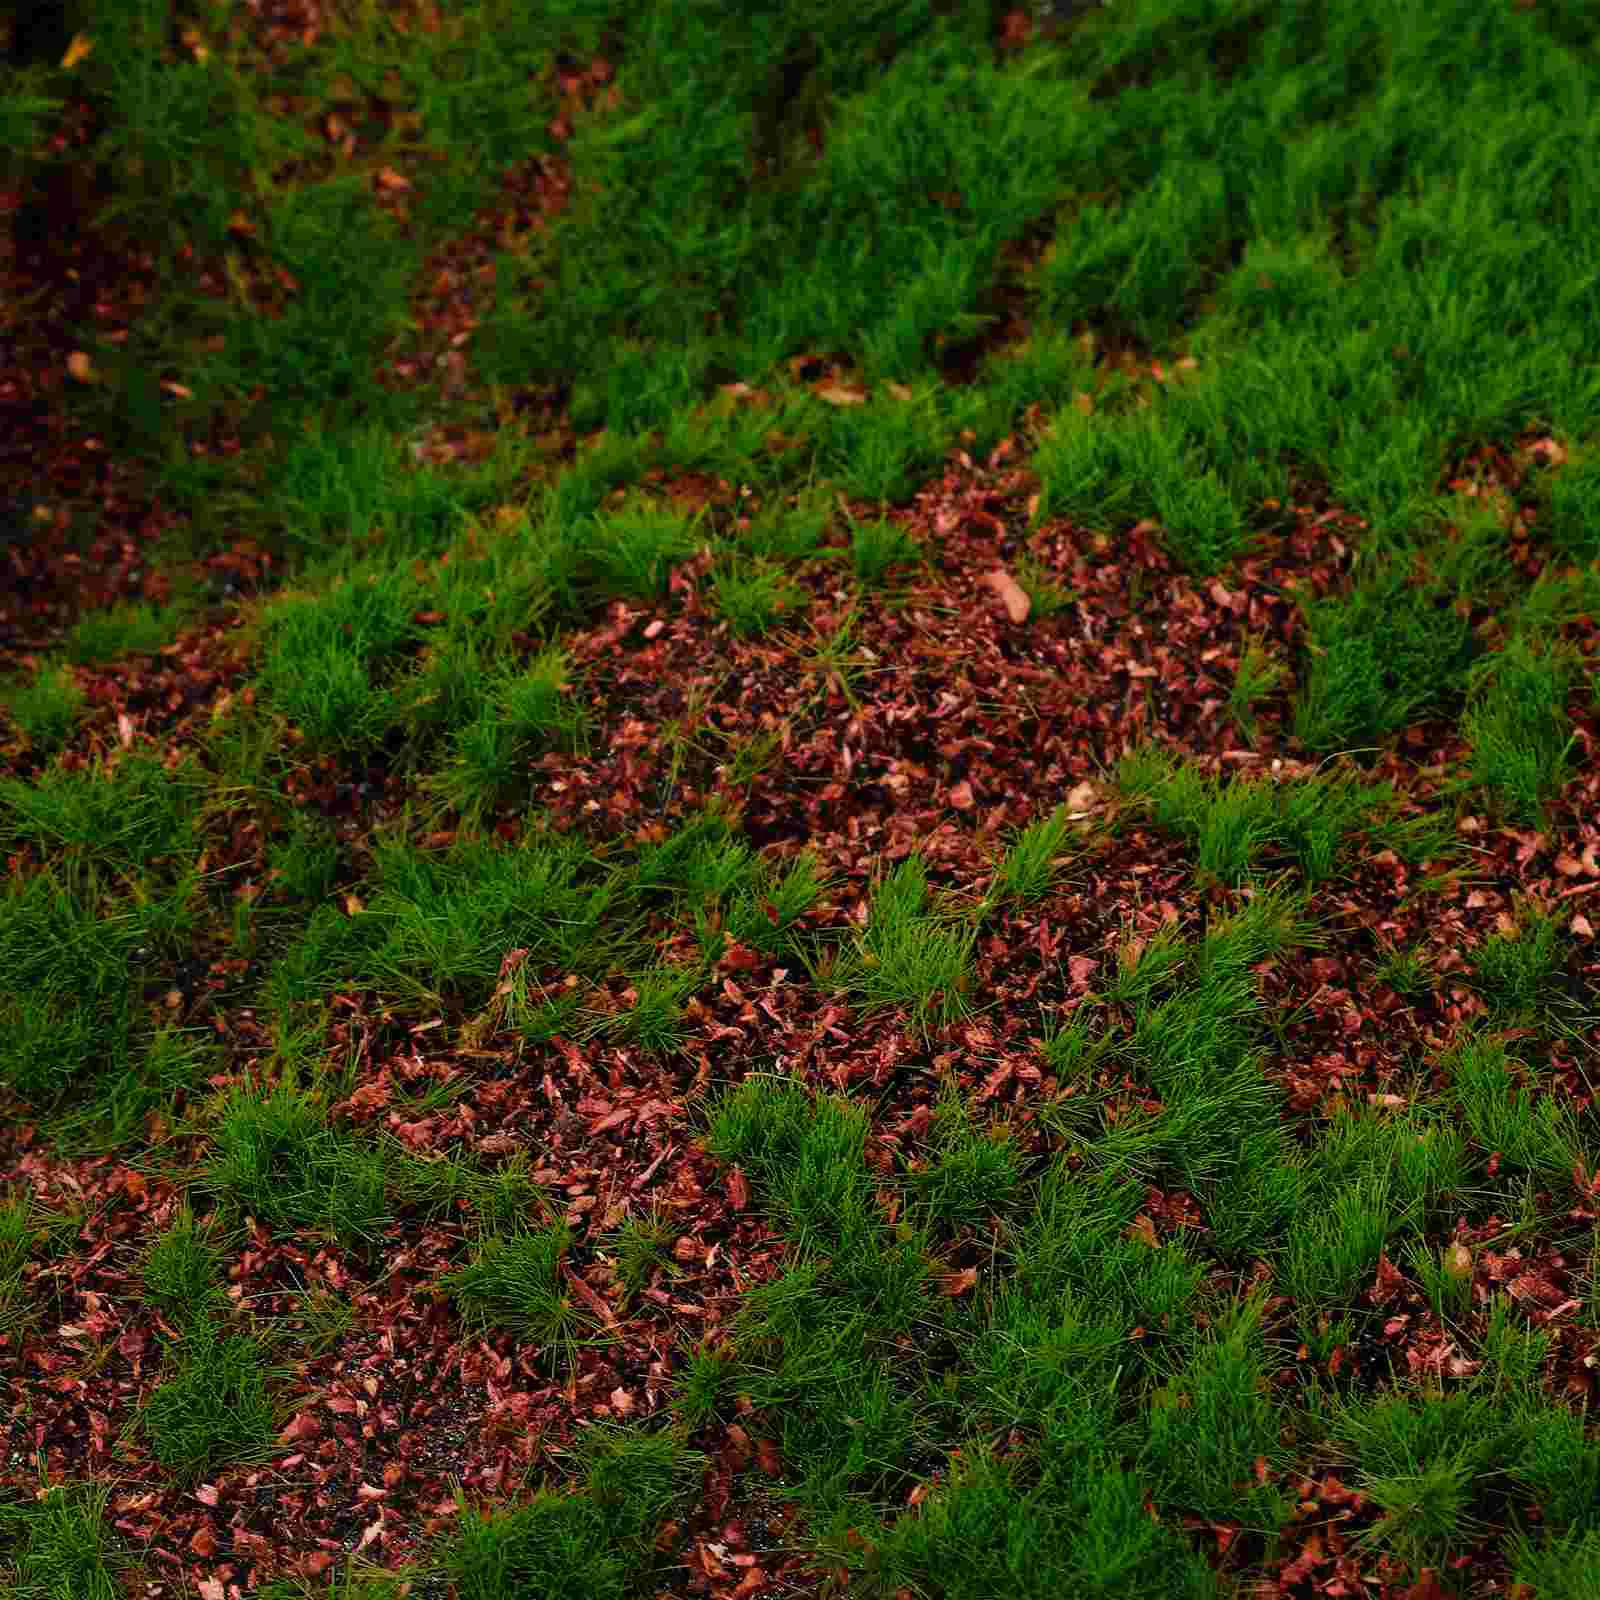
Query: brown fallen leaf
point(954, 1283)
point(1144, 1229)
point(1012, 595)
point(1082, 801)
point(596, 1303)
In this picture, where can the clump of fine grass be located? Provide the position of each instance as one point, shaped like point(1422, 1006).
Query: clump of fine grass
point(127, 629)
point(1257, 677)
point(45, 706)
point(728, 891)
point(358, 1580)
point(1504, 1112)
point(1441, 1467)
point(181, 1270)
point(654, 1020)
point(1421, 1464)
point(321, 1319)
point(216, 1406)
point(134, 810)
point(1572, 498)
point(1239, 825)
point(1516, 722)
point(443, 921)
point(16, 1244)
point(598, 1541)
point(1390, 652)
point(1213, 1421)
point(1408, 972)
point(27, 1230)
point(1073, 1047)
point(1192, 1038)
point(638, 1248)
point(750, 756)
point(907, 955)
point(519, 714)
point(768, 914)
point(1518, 969)
point(1561, 1566)
point(278, 1159)
point(970, 1175)
point(326, 653)
point(809, 1155)
point(67, 1017)
point(754, 597)
point(305, 864)
point(876, 546)
point(61, 1547)
point(810, 1344)
point(514, 1281)
point(1331, 1250)
point(781, 531)
point(635, 546)
point(1030, 866)
point(1046, 597)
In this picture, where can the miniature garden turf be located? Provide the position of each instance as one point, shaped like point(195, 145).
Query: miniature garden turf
point(800, 799)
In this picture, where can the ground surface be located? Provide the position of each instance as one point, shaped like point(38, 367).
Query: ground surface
point(800, 804)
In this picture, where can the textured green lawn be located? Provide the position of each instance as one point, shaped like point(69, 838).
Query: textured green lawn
point(800, 799)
